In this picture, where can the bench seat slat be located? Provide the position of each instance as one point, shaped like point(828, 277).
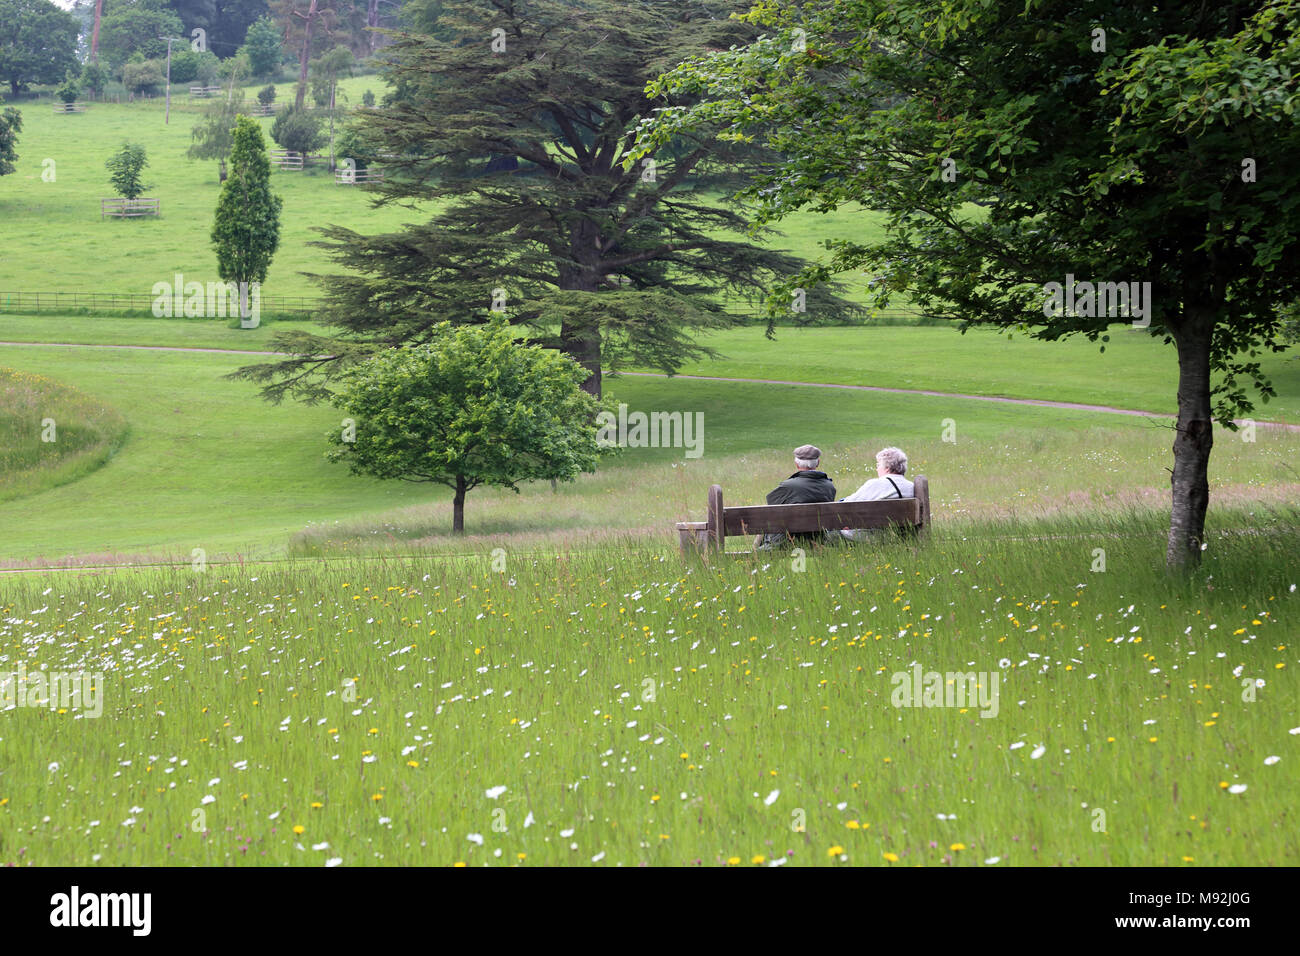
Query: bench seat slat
point(761, 519)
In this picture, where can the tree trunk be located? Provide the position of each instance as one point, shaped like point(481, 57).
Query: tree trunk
point(372, 20)
point(458, 507)
point(581, 340)
point(221, 170)
point(94, 36)
point(302, 56)
point(1193, 440)
point(582, 344)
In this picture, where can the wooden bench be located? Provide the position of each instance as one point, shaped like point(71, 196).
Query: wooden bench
point(286, 159)
point(129, 208)
point(911, 514)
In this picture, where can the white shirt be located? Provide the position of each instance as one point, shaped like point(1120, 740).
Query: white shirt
point(880, 488)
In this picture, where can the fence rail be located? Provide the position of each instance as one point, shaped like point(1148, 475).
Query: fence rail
point(351, 177)
point(129, 208)
point(286, 159)
point(204, 90)
point(91, 303)
point(69, 107)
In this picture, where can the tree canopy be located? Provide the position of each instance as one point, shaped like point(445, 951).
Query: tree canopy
point(471, 407)
point(514, 120)
point(246, 229)
point(38, 43)
point(1017, 144)
point(11, 124)
point(126, 170)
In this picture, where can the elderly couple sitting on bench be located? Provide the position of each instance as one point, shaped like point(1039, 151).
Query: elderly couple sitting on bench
point(809, 484)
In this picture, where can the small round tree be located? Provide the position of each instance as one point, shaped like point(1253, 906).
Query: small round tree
point(94, 76)
point(246, 231)
point(70, 89)
point(266, 95)
point(126, 170)
point(298, 130)
point(473, 407)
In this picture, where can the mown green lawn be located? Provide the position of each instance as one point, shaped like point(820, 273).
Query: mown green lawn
point(1135, 371)
point(40, 216)
point(209, 465)
point(55, 239)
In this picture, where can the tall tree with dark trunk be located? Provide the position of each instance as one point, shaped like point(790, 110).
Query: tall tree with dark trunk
point(515, 118)
point(1015, 145)
point(308, 26)
point(94, 36)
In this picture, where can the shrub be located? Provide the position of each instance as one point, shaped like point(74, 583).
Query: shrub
point(94, 76)
point(262, 44)
point(368, 99)
point(297, 130)
point(185, 66)
point(266, 95)
point(70, 89)
point(126, 170)
point(351, 144)
point(143, 77)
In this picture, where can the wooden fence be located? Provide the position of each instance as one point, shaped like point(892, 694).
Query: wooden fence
point(129, 208)
point(97, 303)
point(204, 91)
point(351, 177)
point(69, 107)
point(286, 159)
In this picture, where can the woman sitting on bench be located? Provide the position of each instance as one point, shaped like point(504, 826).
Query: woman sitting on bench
point(891, 465)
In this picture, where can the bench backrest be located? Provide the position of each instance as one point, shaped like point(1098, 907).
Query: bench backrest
point(911, 513)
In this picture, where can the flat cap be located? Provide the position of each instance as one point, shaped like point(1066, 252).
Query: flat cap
point(808, 453)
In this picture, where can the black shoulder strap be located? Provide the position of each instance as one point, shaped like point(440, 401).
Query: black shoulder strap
point(891, 481)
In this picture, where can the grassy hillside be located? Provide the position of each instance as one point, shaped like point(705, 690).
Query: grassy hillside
point(51, 434)
point(208, 465)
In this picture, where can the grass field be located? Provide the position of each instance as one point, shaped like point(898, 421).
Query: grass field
point(313, 671)
point(630, 709)
point(210, 466)
point(51, 434)
point(130, 256)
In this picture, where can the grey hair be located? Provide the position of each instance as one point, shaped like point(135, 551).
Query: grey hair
point(893, 459)
point(807, 462)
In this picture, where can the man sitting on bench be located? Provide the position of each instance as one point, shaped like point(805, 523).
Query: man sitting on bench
point(807, 485)
point(891, 465)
